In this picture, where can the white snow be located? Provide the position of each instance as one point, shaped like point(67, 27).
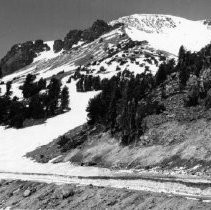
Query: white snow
point(166, 32)
point(46, 55)
point(15, 143)
point(78, 44)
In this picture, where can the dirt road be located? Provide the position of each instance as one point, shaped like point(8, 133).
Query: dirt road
point(188, 187)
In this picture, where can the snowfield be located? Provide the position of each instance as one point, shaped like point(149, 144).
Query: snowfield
point(167, 32)
point(15, 143)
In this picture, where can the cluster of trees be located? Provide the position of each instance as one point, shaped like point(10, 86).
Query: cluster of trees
point(126, 99)
point(124, 102)
point(188, 64)
point(165, 69)
point(39, 101)
point(88, 83)
point(194, 75)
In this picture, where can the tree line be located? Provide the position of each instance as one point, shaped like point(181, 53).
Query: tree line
point(123, 103)
point(39, 101)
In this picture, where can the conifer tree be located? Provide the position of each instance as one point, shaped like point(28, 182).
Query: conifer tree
point(16, 115)
point(96, 83)
point(36, 108)
point(41, 84)
point(80, 85)
point(54, 90)
point(161, 74)
point(4, 108)
point(182, 52)
point(64, 98)
point(29, 88)
point(8, 89)
point(88, 83)
point(183, 75)
point(112, 109)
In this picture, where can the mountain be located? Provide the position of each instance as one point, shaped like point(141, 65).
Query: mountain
point(164, 33)
point(112, 50)
point(167, 32)
point(137, 43)
point(133, 44)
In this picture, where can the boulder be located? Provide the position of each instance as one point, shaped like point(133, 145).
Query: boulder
point(64, 192)
point(27, 193)
point(67, 192)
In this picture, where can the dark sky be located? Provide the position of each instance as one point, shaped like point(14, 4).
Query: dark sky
point(22, 20)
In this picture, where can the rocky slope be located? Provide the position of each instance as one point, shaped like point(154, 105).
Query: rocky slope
point(32, 195)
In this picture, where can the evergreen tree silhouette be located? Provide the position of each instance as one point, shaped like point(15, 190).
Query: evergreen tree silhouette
point(64, 98)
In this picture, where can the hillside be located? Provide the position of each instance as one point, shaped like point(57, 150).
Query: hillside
point(139, 96)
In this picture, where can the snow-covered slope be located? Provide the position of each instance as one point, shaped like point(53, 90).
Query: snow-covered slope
point(166, 32)
point(113, 51)
point(15, 143)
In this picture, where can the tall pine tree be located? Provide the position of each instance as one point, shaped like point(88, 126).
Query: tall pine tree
point(54, 90)
point(64, 98)
point(36, 108)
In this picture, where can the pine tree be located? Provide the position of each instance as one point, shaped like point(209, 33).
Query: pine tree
point(183, 75)
point(96, 110)
point(8, 89)
point(80, 85)
point(36, 108)
point(112, 109)
point(29, 88)
point(193, 91)
point(54, 90)
point(64, 98)
point(4, 109)
point(88, 83)
point(161, 74)
point(182, 52)
point(16, 115)
point(41, 84)
point(96, 83)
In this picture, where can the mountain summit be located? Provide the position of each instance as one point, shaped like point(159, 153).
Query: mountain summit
point(167, 32)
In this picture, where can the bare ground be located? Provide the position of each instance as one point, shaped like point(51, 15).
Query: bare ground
point(34, 195)
point(167, 146)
